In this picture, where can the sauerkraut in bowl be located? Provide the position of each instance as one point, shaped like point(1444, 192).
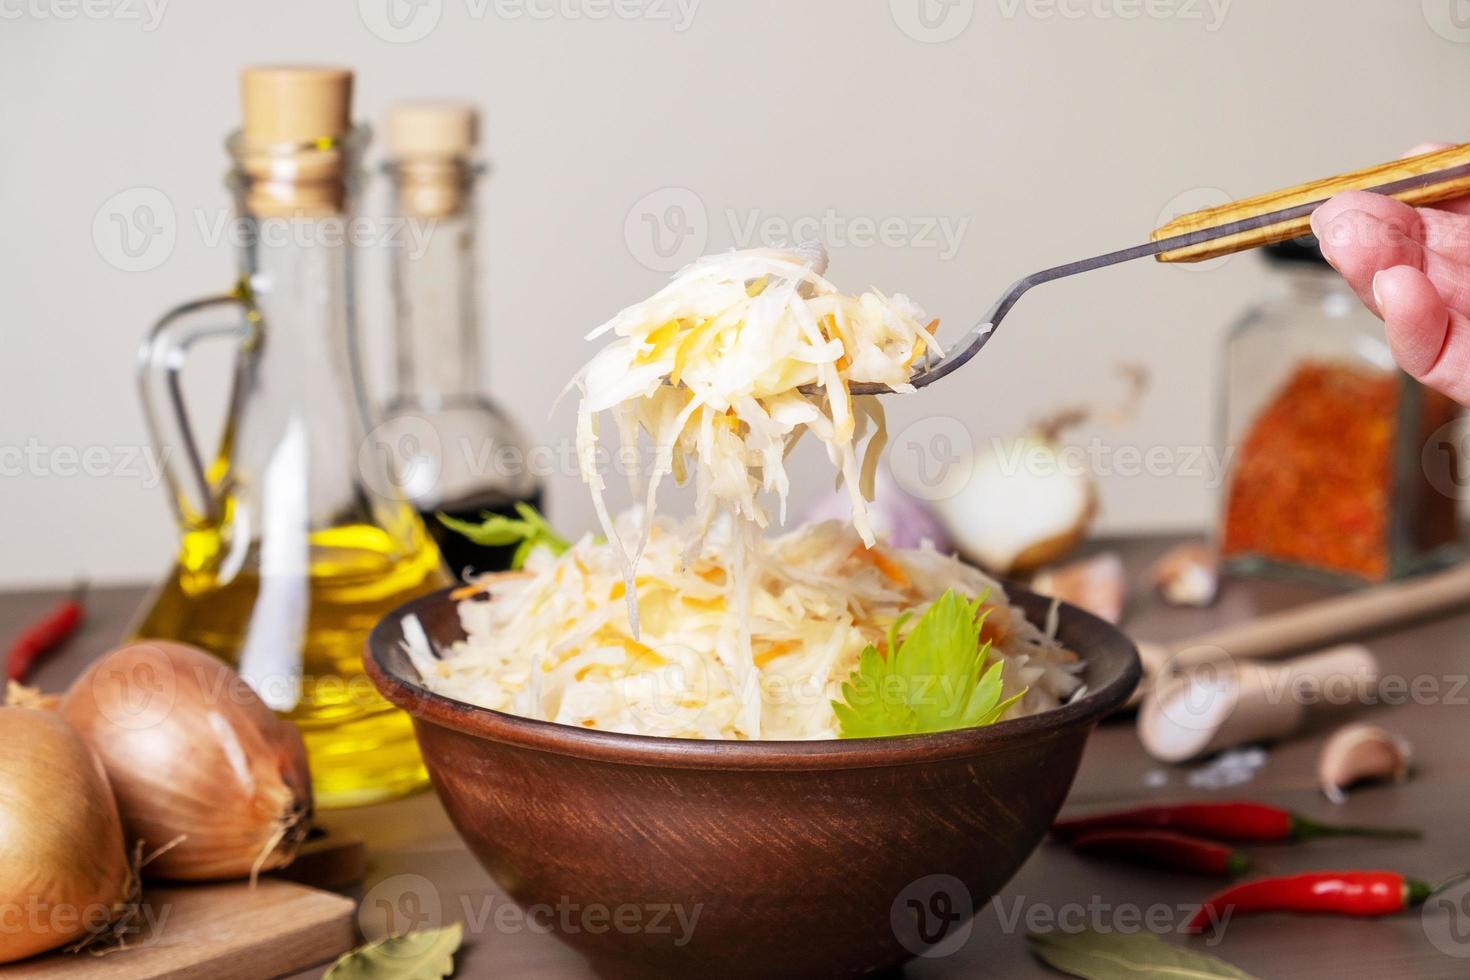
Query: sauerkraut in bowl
point(715, 626)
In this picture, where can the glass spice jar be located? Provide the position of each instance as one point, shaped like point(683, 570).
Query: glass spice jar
point(1324, 436)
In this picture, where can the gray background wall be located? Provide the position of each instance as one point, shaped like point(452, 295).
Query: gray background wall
point(1035, 131)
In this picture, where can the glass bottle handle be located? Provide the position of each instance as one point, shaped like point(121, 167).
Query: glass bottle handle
point(161, 361)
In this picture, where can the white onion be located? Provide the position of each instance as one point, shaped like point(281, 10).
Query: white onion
point(1024, 506)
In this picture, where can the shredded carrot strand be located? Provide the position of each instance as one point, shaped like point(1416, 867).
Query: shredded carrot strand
point(891, 569)
point(778, 649)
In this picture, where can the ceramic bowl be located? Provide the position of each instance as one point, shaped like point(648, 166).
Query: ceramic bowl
point(754, 859)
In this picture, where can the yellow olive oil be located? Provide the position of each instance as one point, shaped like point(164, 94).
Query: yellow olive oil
point(361, 748)
point(295, 540)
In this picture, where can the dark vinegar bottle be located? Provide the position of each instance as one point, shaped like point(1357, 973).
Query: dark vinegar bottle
point(459, 453)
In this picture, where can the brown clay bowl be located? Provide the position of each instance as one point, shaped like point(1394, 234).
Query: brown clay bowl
point(830, 858)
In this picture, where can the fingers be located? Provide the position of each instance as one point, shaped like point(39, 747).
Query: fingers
point(1359, 243)
point(1388, 233)
point(1411, 266)
point(1414, 316)
point(1458, 205)
point(1428, 339)
point(1440, 229)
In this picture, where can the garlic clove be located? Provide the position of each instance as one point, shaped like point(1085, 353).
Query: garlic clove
point(1221, 704)
point(1024, 506)
point(1188, 575)
point(1359, 752)
point(1097, 584)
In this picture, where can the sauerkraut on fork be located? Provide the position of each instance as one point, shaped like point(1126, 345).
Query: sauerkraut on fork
point(711, 367)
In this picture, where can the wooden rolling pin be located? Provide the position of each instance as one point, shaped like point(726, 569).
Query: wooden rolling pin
point(1315, 624)
point(1311, 626)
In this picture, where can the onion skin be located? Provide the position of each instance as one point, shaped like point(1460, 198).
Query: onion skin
point(205, 774)
point(899, 518)
point(1022, 507)
point(1055, 548)
point(64, 869)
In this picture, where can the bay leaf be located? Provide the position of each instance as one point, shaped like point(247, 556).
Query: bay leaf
point(423, 955)
point(1127, 956)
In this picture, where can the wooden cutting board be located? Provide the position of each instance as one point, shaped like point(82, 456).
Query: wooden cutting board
point(329, 858)
point(215, 932)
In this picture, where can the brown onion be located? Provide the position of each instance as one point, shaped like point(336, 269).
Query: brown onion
point(64, 869)
point(205, 774)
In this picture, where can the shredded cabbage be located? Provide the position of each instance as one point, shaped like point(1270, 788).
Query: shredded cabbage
point(711, 628)
point(710, 368)
point(555, 643)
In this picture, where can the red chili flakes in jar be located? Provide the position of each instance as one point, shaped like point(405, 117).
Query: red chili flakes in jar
point(1313, 481)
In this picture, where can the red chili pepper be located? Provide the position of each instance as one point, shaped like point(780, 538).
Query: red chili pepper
point(1165, 849)
point(44, 635)
point(1365, 893)
point(1240, 821)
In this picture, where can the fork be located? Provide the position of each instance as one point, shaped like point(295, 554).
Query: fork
point(1273, 217)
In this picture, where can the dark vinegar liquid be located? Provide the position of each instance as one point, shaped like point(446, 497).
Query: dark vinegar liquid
point(462, 555)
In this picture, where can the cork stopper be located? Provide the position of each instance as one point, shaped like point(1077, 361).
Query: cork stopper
point(295, 119)
point(432, 145)
point(433, 131)
point(289, 104)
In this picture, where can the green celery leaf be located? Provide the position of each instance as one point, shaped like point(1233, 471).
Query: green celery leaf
point(425, 955)
point(528, 532)
point(1127, 956)
point(933, 680)
point(495, 530)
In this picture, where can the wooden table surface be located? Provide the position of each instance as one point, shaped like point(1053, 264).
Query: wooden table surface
point(418, 864)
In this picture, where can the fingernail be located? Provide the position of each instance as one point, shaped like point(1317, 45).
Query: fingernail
point(1313, 222)
point(1377, 299)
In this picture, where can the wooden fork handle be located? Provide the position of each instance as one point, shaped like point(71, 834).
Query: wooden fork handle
point(1454, 185)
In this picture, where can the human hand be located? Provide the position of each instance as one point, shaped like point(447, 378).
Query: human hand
point(1411, 266)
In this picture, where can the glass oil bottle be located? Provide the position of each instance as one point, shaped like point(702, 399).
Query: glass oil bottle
point(464, 456)
point(294, 538)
